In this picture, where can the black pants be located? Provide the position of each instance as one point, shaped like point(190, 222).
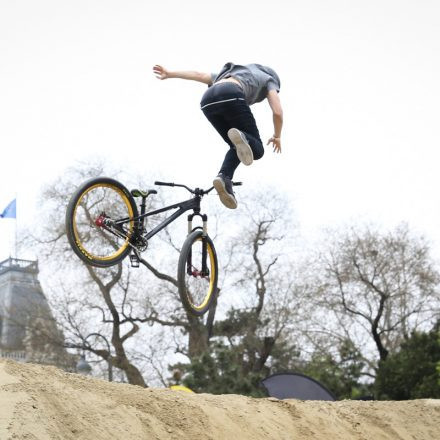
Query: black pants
point(225, 107)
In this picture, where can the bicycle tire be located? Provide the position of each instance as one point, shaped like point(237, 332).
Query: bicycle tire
point(93, 244)
point(197, 302)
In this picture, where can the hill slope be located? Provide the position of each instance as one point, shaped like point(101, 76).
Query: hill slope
point(38, 402)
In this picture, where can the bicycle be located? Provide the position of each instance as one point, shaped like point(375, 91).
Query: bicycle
point(104, 226)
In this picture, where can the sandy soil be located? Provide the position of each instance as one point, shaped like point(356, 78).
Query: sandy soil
point(39, 402)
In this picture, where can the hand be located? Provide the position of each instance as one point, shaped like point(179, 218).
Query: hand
point(160, 72)
point(276, 141)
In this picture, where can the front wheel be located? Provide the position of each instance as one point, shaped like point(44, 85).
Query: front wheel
point(197, 273)
point(100, 221)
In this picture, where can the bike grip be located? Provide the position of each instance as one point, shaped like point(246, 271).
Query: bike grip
point(163, 183)
point(237, 183)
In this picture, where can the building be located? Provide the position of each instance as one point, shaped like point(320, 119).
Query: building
point(28, 331)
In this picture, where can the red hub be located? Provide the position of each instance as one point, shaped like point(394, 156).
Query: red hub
point(100, 221)
point(198, 273)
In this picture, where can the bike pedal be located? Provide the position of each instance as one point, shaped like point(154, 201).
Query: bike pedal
point(134, 260)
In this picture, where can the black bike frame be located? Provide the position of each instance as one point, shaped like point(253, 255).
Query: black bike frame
point(187, 205)
point(193, 203)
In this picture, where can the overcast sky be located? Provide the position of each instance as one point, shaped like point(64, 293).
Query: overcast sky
point(359, 86)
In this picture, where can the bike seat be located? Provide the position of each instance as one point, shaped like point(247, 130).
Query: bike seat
point(140, 193)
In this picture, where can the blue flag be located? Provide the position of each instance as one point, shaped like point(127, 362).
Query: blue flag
point(10, 211)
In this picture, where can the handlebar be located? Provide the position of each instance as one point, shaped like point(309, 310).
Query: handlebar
point(173, 184)
point(192, 191)
point(163, 183)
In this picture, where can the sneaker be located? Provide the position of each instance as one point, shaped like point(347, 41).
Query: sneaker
point(223, 186)
point(244, 151)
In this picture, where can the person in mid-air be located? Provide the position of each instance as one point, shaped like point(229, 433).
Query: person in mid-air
point(226, 104)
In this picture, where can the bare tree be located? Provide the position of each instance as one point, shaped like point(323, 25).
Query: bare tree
point(114, 302)
point(106, 296)
point(261, 268)
point(127, 306)
point(375, 287)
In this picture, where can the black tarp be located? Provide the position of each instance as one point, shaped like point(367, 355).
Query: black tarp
point(295, 386)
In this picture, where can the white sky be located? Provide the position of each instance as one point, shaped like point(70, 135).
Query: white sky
point(359, 86)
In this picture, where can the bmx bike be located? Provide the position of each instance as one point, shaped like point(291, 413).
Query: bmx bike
point(104, 225)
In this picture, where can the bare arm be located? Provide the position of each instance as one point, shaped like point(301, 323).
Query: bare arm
point(162, 73)
point(277, 114)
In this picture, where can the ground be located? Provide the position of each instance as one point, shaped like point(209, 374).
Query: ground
point(39, 402)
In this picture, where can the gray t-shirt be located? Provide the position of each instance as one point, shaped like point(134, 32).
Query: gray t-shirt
point(255, 79)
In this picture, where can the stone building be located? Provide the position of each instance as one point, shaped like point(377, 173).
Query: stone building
point(28, 331)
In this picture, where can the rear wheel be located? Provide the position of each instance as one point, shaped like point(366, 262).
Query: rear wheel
point(197, 273)
point(99, 221)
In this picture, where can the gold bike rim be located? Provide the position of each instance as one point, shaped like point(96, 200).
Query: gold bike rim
point(211, 281)
point(123, 247)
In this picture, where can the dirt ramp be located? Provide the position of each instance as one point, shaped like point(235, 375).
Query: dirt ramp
point(38, 402)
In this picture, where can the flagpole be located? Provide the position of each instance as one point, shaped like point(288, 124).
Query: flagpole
point(16, 228)
point(11, 212)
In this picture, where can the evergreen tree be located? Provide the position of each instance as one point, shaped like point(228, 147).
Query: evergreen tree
point(239, 359)
point(411, 373)
point(339, 372)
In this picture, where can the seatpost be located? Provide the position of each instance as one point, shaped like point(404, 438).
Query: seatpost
point(143, 210)
point(143, 204)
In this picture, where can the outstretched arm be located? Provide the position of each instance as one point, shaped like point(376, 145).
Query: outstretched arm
point(162, 73)
point(277, 112)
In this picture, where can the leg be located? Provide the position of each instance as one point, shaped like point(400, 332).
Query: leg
point(225, 107)
point(240, 117)
point(223, 182)
point(231, 160)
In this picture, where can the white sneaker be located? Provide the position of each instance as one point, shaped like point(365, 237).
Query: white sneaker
point(244, 151)
point(223, 186)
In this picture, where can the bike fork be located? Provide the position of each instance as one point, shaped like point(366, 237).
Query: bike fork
point(205, 271)
point(189, 264)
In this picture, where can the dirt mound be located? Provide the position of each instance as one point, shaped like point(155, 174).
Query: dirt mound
point(38, 402)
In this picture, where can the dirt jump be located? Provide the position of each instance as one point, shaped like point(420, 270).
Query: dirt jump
point(40, 402)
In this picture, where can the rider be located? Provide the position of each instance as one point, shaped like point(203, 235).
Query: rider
point(226, 106)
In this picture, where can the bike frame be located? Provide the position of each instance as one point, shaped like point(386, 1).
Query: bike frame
point(185, 206)
point(182, 207)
